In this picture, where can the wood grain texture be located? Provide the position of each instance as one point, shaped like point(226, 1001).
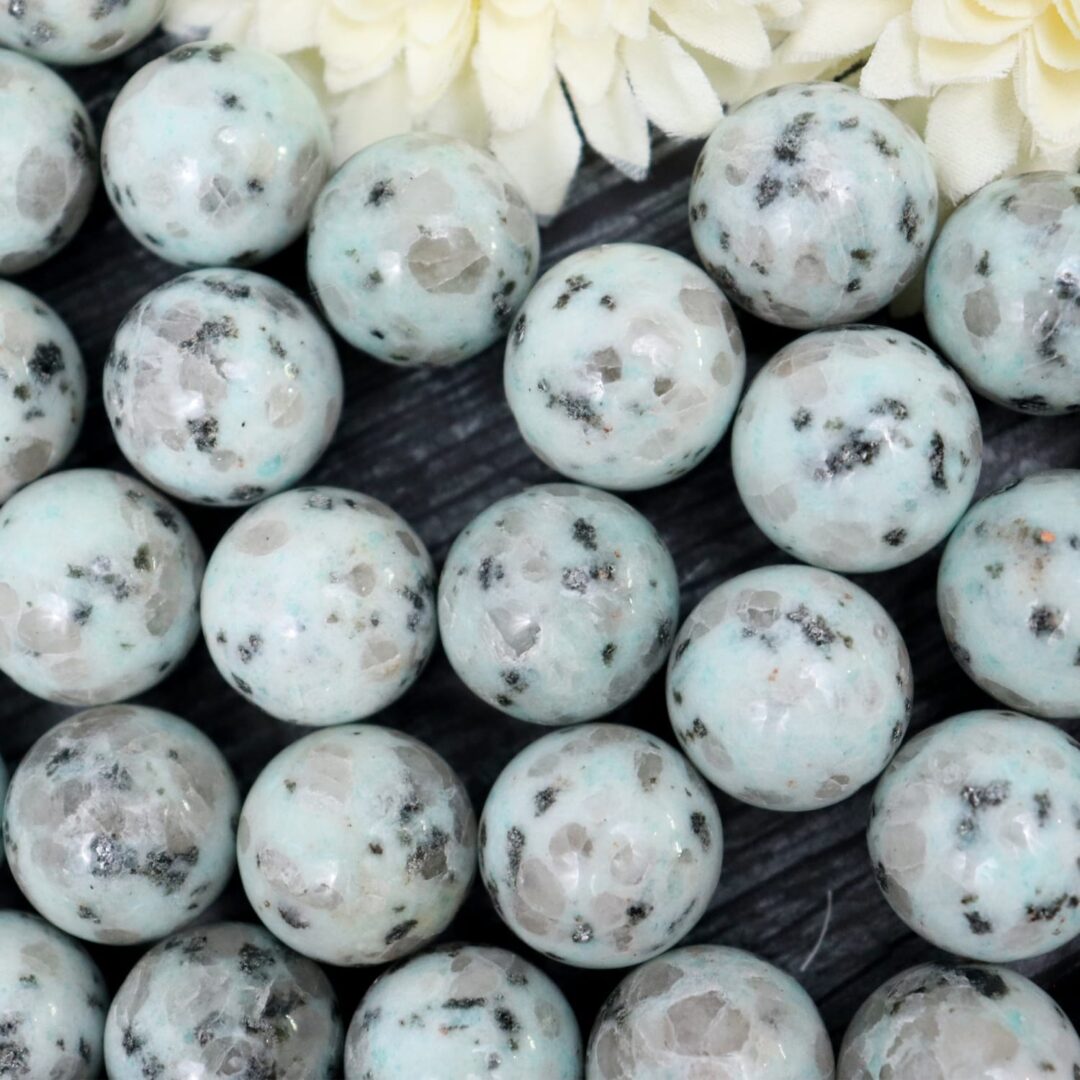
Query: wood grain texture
point(439, 446)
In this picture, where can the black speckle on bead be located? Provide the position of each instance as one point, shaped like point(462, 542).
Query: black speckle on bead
point(545, 799)
point(396, 933)
point(883, 146)
point(607, 653)
point(895, 537)
point(204, 432)
point(788, 145)
point(46, 361)
point(1044, 620)
point(768, 190)
point(515, 845)
point(291, 917)
point(584, 533)
point(984, 981)
point(977, 924)
point(382, 191)
point(699, 826)
point(909, 219)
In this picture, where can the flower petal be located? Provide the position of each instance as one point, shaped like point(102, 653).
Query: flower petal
point(586, 63)
point(584, 18)
point(1048, 98)
point(514, 62)
point(963, 20)
point(1069, 10)
point(943, 62)
point(1058, 45)
point(366, 10)
point(283, 26)
point(460, 111)
point(892, 72)
point(629, 17)
point(357, 52)
point(430, 21)
point(732, 85)
point(615, 127)
point(834, 28)
point(376, 110)
point(433, 65)
point(727, 30)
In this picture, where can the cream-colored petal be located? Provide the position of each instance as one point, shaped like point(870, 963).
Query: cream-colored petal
point(670, 85)
point(432, 66)
point(371, 112)
point(962, 20)
point(584, 18)
point(586, 63)
point(943, 62)
point(1069, 10)
point(1013, 9)
point(629, 17)
point(284, 26)
point(543, 156)
point(732, 85)
point(1057, 44)
point(428, 22)
point(460, 111)
point(357, 52)
point(308, 64)
point(1050, 99)
point(833, 28)
point(365, 10)
point(518, 9)
point(616, 127)
point(514, 63)
point(727, 30)
point(892, 72)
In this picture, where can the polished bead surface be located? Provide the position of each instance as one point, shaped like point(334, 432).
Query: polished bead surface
point(973, 835)
point(99, 587)
point(213, 155)
point(468, 1012)
point(52, 1002)
point(121, 824)
point(222, 386)
point(77, 31)
point(357, 845)
point(939, 1020)
point(42, 389)
point(1009, 594)
point(226, 1000)
point(1003, 291)
point(708, 1011)
point(557, 604)
point(319, 605)
point(812, 205)
point(789, 687)
point(624, 367)
point(421, 249)
point(48, 163)
point(856, 449)
point(600, 845)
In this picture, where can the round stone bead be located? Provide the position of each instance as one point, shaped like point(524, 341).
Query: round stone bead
point(812, 205)
point(48, 168)
point(120, 824)
point(709, 1011)
point(789, 687)
point(421, 249)
point(213, 155)
point(357, 845)
point(1003, 291)
point(222, 386)
point(557, 604)
point(319, 605)
point(223, 1000)
point(973, 835)
point(469, 1011)
point(42, 388)
point(600, 846)
point(77, 31)
point(856, 449)
point(52, 1002)
point(624, 367)
point(99, 587)
point(1009, 594)
point(937, 1020)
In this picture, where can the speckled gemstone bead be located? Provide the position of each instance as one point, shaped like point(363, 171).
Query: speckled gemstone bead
point(600, 846)
point(421, 250)
point(120, 824)
point(48, 163)
point(812, 205)
point(222, 387)
point(42, 389)
point(973, 835)
point(709, 1011)
point(471, 1012)
point(52, 1003)
point(1013, 565)
point(99, 587)
point(557, 604)
point(357, 845)
point(951, 1022)
point(213, 155)
point(789, 687)
point(319, 605)
point(624, 367)
point(224, 1001)
point(1003, 291)
point(856, 449)
point(77, 31)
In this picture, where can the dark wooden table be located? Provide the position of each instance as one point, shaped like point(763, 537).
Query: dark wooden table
point(439, 446)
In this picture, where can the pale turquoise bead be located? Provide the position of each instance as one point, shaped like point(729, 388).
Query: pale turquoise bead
point(99, 587)
point(789, 687)
point(709, 1011)
point(52, 1002)
point(856, 449)
point(938, 1020)
point(1003, 291)
point(319, 605)
point(42, 389)
point(357, 845)
point(557, 604)
point(421, 249)
point(600, 846)
point(624, 367)
point(973, 835)
point(48, 163)
point(226, 1000)
point(222, 386)
point(121, 824)
point(213, 155)
point(464, 1011)
point(77, 31)
point(1009, 594)
point(812, 205)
